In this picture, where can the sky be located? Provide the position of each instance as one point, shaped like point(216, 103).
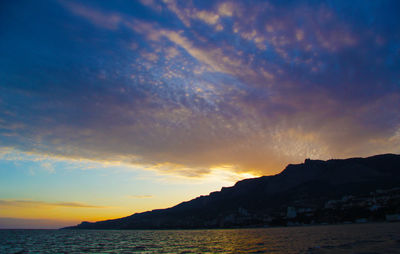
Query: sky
point(108, 108)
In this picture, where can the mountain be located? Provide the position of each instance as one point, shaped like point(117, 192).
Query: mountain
point(307, 187)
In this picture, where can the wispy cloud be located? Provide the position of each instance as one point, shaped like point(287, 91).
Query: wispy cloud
point(98, 18)
point(24, 223)
point(48, 167)
point(140, 196)
point(32, 203)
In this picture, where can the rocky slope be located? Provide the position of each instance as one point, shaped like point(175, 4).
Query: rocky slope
point(255, 201)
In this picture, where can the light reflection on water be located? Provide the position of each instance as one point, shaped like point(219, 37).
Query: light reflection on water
point(361, 238)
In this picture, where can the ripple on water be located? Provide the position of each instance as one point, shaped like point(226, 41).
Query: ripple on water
point(365, 238)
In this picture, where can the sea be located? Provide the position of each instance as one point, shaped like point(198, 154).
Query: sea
point(351, 238)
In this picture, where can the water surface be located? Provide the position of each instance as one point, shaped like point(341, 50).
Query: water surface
point(354, 238)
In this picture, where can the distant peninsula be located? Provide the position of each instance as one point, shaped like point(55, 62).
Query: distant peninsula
point(350, 190)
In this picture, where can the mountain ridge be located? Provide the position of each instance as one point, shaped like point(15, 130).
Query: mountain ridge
point(254, 201)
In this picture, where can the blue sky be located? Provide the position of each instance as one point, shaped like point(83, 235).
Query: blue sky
point(165, 100)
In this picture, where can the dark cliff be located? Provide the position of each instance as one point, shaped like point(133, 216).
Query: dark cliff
point(250, 201)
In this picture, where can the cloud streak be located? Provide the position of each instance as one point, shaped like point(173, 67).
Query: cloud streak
point(140, 196)
point(32, 203)
point(24, 223)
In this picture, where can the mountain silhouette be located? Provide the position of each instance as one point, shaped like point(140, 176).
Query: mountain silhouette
point(254, 201)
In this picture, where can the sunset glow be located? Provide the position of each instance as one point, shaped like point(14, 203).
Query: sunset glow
point(108, 108)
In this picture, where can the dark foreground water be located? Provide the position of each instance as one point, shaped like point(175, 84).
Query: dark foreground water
point(360, 238)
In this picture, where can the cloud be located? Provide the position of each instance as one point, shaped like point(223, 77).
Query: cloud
point(48, 167)
point(226, 9)
point(140, 196)
point(183, 14)
point(24, 223)
point(152, 4)
point(187, 13)
point(98, 18)
point(31, 203)
point(184, 87)
point(171, 52)
point(208, 17)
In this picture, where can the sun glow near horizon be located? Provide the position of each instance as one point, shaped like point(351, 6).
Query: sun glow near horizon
point(31, 204)
point(112, 108)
